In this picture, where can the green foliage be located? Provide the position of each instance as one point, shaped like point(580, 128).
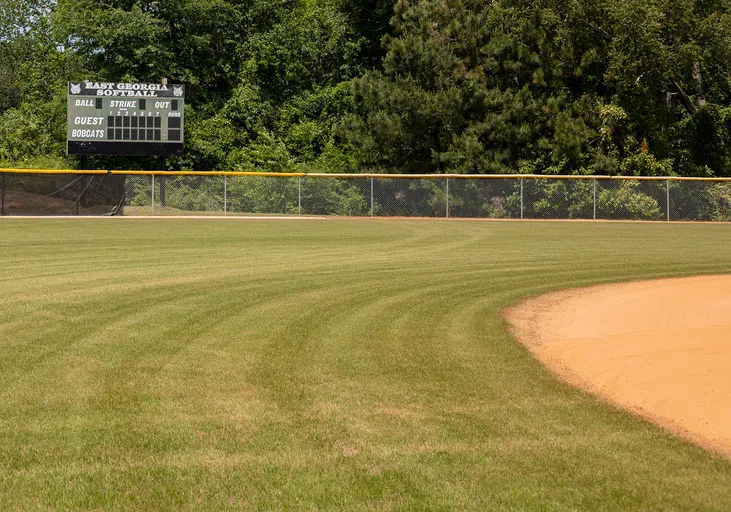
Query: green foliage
point(644, 164)
point(24, 41)
point(546, 199)
point(719, 202)
point(333, 197)
point(263, 195)
point(38, 162)
point(31, 131)
point(703, 141)
point(626, 201)
point(266, 153)
point(636, 87)
point(193, 194)
point(469, 95)
point(558, 87)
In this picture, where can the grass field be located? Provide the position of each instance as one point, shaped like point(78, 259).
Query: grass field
point(341, 364)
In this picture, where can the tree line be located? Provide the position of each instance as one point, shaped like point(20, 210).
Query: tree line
point(630, 87)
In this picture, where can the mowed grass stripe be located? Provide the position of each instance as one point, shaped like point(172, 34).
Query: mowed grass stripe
point(184, 364)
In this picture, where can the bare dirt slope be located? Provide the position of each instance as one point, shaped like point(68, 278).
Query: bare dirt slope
point(661, 349)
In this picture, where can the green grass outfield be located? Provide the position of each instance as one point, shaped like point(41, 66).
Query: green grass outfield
point(173, 364)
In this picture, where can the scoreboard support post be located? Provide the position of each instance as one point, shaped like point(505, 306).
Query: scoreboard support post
point(163, 188)
point(2, 195)
point(81, 189)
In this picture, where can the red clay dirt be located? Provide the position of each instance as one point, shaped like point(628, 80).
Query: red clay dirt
point(660, 349)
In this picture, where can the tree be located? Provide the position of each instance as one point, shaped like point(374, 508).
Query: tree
point(546, 86)
point(470, 87)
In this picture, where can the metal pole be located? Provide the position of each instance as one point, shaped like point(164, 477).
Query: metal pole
point(153, 195)
point(447, 197)
point(667, 199)
point(225, 195)
point(521, 198)
point(371, 196)
point(299, 195)
point(162, 185)
point(2, 197)
point(594, 199)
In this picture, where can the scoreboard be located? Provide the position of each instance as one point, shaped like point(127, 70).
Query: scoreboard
point(124, 119)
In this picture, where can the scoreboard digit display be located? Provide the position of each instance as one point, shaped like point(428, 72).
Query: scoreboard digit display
point(124, 119)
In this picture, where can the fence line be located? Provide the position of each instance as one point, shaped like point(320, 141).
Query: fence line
point(225, 193)
point(569, 177)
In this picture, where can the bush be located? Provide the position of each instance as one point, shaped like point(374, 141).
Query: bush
point(626, 201)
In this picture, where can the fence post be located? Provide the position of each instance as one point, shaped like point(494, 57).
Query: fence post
point(594, 199)
point(225, 194)
point(299, 195)
point(2, 196)
point(447, 197)
point(152, 197)
point(521, 198)
point(667, 199)
point(371, 196)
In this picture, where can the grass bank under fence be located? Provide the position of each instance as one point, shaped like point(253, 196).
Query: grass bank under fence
point(339, 364)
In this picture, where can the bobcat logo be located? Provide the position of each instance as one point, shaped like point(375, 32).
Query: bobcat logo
point(75, 88)
point(177, 91)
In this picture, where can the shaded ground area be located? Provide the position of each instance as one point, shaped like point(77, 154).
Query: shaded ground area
point(17, 202)
point(661, 349)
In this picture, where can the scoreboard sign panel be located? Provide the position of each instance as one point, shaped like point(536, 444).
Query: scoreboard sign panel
point(124, 119)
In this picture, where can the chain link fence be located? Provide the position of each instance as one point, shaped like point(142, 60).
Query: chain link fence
point(498, 197)
point(455, 197)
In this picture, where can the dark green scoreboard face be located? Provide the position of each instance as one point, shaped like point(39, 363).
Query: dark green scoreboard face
point(124, 119)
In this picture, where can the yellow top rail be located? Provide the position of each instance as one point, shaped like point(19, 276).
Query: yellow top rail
point(355, 176)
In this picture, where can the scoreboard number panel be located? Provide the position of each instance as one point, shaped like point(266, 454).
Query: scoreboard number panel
point(124, 119)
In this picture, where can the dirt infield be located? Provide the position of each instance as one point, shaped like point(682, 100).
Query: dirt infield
point(660, 349)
